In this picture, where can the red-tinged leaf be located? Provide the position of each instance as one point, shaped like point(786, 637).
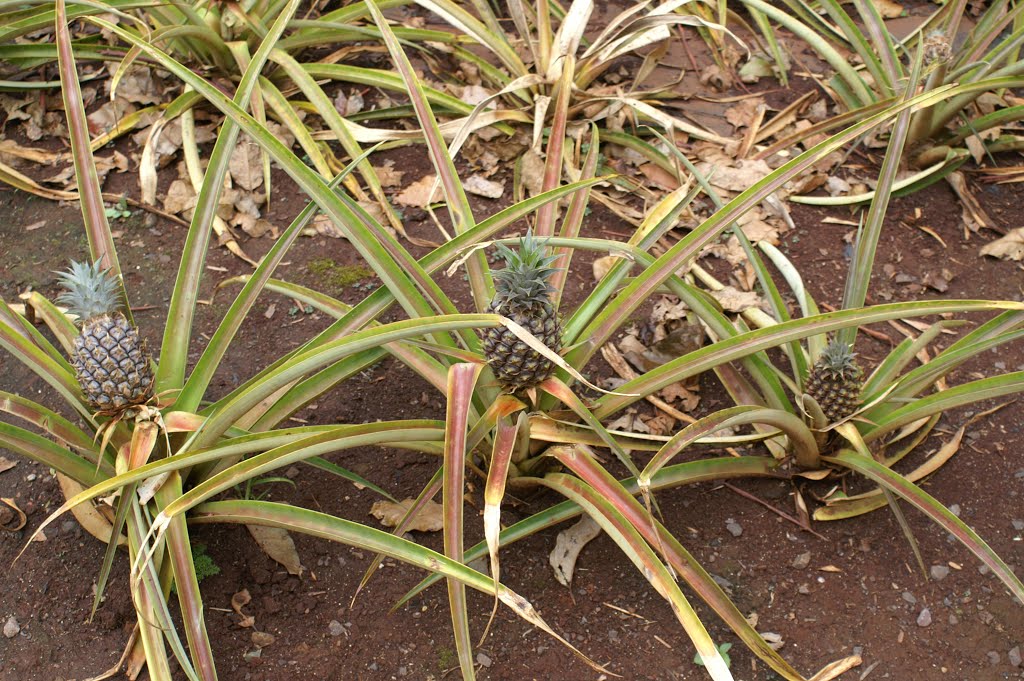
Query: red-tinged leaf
point(494, 491)
point(461, 380)
point(621, 497)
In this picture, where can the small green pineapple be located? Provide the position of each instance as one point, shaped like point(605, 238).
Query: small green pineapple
point(835, 382)
point(522, 293)
point(110, 360)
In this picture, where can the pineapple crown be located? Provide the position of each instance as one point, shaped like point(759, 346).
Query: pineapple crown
point(91, 291)
point(837, 359)
point(524, 281)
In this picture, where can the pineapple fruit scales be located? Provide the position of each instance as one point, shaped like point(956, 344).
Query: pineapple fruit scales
point(522, 293)
point(835, 382)
point(110, 360)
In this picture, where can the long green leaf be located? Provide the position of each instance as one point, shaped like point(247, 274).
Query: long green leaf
point(347, 532)
point(932, 508)
point(455, 194)
point(643, 557)
point(744, 344)
point(640, 289)
point(178, 329)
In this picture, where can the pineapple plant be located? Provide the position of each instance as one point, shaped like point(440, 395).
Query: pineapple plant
point(835, 382)
point(523, 294)
point(110, 360)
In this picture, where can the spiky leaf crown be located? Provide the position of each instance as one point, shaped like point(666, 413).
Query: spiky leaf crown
point(91, 291)
point(837, 360)
point(524, 281)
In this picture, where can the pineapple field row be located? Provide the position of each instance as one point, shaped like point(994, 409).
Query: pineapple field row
point(687, 337)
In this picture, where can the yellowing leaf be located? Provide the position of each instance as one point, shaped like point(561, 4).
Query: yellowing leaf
point(86, 514)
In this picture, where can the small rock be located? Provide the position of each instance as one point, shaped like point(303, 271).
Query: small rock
point(11, 627)
point(1018, 524)
point(734, 527)
point(802, 561)
point(31, 477)
point(336, 628)
point(925, 618)
point(909, 597)
point(803, 589)
point(403, 670)
point(953, 620)
point(68, 527)
point(939, 572)
point(955, 510)
point(983, 569)
point(373, 667)
point(1014, 656)
point(483, 659)
point(993, 657)
point(291, 473)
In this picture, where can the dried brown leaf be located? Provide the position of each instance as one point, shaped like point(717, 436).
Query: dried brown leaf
point(1008, 247)
point(246, 164)
point(733, 300)
point(430, 518)
point(568, 545)
point(278, 544)
point(481, 186)
point(418, 195)
point(888, 9)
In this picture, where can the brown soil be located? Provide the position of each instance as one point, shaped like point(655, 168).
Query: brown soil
point(870, 600)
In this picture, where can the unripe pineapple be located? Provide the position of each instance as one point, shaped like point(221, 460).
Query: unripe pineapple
point(110, 359)
point(523, 294)
point(835, 382)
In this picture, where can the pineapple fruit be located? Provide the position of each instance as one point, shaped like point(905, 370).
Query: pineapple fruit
point(835, 382)
point(522, 293)
point(110, 360)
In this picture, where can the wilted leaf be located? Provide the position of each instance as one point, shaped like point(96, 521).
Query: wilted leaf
point(739, 177)
point(246, 165)
point(757, 67)
point(348, 104)
point(743, 113)
point(13, 524)
point(323, 226)
point(137, 85)
point(388, 176)
point(418, 193)
point(1008, 247)
point(278, 544)
point(629, 422)
point(659, 176)
point(888, 9)
point(262, 639)
point(430, 518)
point(6, 464)
point(86, 514)
point(180, 198)
point(603, 265)
point(239, 601)
point(568, 545)
point(481, 186)
point(677, 391)
point(733, 300)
